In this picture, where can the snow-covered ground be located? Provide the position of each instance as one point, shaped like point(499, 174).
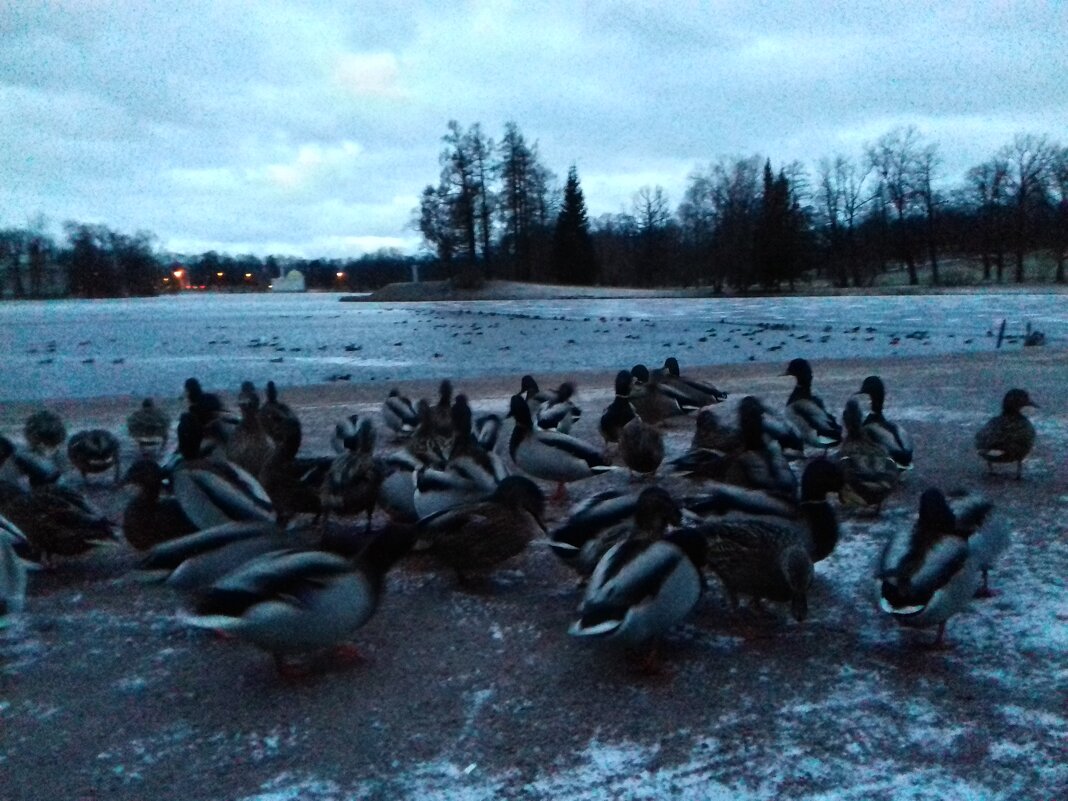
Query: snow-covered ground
point(78, 349)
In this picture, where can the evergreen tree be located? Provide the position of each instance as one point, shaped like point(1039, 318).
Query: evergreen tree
point(574, 259)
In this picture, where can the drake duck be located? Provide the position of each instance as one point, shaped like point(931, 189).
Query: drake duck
point(195, 561)
point(399, 414)
point(700, 392)
point(559, 412)
point(765, 558)
point(1010, 436)
point(986, 531)
point(655, 402)
point(760, 464)
point(248, 446)
point(44, 432)
point(605, 519)
point(56, 520)
point(211, 490)
point(642, 586)
point(620, 411)
point(294, 602)
point(641, 447)
point(806, 411)
point(94, 451)
point(534, 395)
point(25, 466)
point(149, 427)
point(12, 582)
point(207, 407)
point(476, 537)
point(149, 519)
point(869, 474)
point(351, 485)
point(551, 455)
point(927, 573)
point(891, 436)
point(276, 417)
point(469, 474)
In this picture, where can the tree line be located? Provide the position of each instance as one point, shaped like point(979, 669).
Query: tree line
point(496, 211)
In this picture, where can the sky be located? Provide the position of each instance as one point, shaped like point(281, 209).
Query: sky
point(310, 127)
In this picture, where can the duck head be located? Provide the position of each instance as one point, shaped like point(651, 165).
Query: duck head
point(248, 399)
point(936, 518)
point(801, 370)
point(461, 416)
point(852, 417)
point(640, 373)
point(623, 382)
point(528, 386)
point(520, 412)
point(656, 510)
point(519, 492)
point(671, 364)
point(820, 478)
point(873, 387)
point(751, 422)
point(193, 391)
point(1015, 400)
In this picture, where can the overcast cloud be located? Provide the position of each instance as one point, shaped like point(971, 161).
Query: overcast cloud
point(311, 127)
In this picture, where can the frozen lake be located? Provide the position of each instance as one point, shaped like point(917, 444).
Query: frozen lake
point(75, 348)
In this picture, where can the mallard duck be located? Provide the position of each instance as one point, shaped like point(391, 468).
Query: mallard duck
point(248, 446)
point(347, 432)
point(986, 531)
point(620, 411)
point(559, 412)
point(761, 557)
point(44, 431)
point(425, 443)
point(641, 446)
point(551, 455)
point(760, 464)
point(12, 582)
point(25, 466)
point(700, 392)
point(891, 436)
point(655, 402)
point(642, 587)
point(441, 413)
point(276, 417)
point(487, 430)
point(399, 414)
point(927, 573)
point(476, 537)
point(293, 602)
point(149, 519)
point(470, 473)
point(599, 522)
point(207, 407)
point(533, 394)
point(56, 520)
point(194, 561)
point(94, 451)
point(780, 430)
point(869, 474)
point(711, 433)
point(351, 485)
point(1009, 436)
point(149, 427)
point(293, 484)
point(211, 490)
point(806, 411)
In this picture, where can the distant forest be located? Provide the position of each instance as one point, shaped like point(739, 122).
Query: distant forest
point(744, 223)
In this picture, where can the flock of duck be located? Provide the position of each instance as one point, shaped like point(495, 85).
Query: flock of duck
point(237, 519)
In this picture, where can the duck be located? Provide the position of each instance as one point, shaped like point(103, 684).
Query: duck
point(641, 447)
point(248, 446)
point(476, 537)
point(891, 436)
point(813, 514)
point(294, 602)
point(207, 407)
point(713, 434)
point(1010, 436)
point(94, 451)
point(700, 392)
point(56, 520)
point(642, 587)
point(19, 543)
point(441, 413)
point(551, 455)
point(534, 395)
point(149, 427)
point(487, 430)
point(45, 432)
point(765, 558)
point(782, 431)
point(806, 411)
point(193, 562)
point(211, 490)
point(869, 473)
point(12, 582)
point(25, 466)
point(655, 402)
point(986, 531)
point(559, 412)
point(470, 473)
point(927, 573)
point(293, 484)
point(399, 413)
point(760, 464)
point(149, 519)
point(277, 418)
point(344, 432)
point(351, 485)
point(620, 411)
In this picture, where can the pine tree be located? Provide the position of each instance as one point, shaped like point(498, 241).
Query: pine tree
point(574, 259)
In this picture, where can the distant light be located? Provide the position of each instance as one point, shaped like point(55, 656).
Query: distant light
point(179, 273)
point(248, 275)
point(341, 275)
point(220, 275)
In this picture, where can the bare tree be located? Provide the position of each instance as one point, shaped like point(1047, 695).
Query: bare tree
point(928, 163)
point(1058, 184)
point(843, 191)
point(987, 184)
point(1028, 159)
point(894, 158)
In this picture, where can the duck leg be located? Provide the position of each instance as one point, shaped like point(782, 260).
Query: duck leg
point(984, 591)
point(560, 494)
